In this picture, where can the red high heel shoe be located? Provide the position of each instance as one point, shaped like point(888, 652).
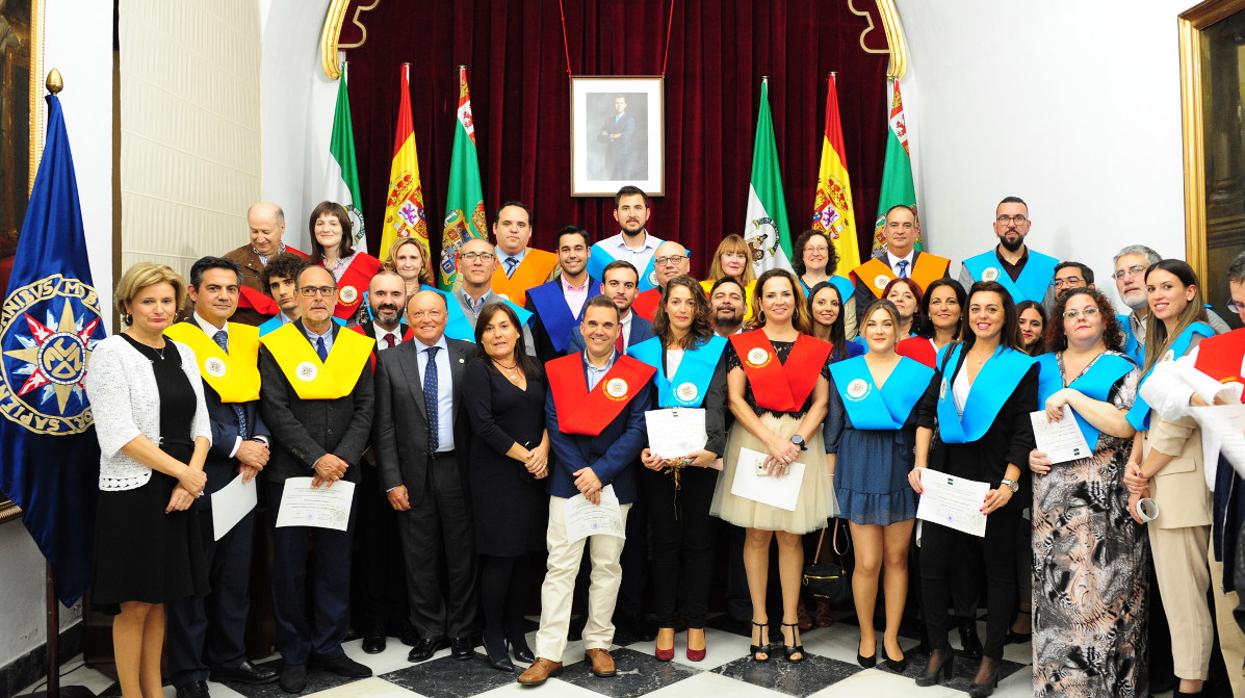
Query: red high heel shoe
point(663, 655)
point(696, 655)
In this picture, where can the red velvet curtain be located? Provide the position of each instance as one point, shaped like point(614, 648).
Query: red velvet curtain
point(520, 91)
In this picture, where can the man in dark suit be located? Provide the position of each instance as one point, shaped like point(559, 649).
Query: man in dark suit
point(379, 581)
point(595, 415)
point(899, 259)
point(419, 429)
point(318, 400)
point(558, 306)
point(618, 133)
point(619, 282)
point(206, 634)
point(266, 222)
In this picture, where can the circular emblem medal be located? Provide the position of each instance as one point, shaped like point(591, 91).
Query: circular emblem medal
point(686, 392)
point(942, 389)
point(348, 294)
point(857, 389)
point(990, 274)
point(880, 281)
point(306, 371)
point(757, 357)
point(214, 367)
point(616, 389)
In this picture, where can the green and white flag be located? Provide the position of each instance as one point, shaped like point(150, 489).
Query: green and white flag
point(342, 175)
point(897, 184)
point(765, 228)
point(464, 200)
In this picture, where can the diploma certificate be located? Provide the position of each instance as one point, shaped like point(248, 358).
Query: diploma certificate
point(317, 507)
point(230, 503)
point(953, 502)
point(1061, 441)
point(676, 432)
point(584, 519)
point(781, 491)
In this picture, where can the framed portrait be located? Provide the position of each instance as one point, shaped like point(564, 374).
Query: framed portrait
point(617, 134)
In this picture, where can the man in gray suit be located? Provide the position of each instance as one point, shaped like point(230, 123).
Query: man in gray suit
point(477, 259)
point(419, 429)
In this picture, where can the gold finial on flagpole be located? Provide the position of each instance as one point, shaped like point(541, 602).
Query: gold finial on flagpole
point(55, 83)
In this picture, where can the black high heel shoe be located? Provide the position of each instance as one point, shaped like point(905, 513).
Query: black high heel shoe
point(754, 650)
point(935, 675)
point(519, 648)
point(867, 662)
point(986, 688)
point(795, 648)
point(498, 658)
point(898, 666)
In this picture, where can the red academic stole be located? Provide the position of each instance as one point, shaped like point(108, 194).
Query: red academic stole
point(777, 386)
point(645, 304)
point(918, 349)
point(1220, 357)
point(534, 270)
point(353, 284)
point(581, 411)
point(876, 273)
point(257, 301)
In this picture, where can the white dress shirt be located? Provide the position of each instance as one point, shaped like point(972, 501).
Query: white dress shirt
point(617, 247)
point(624, 326)
point(894, 262)
point(596, 374)
point(445, 391)
point(381, 343)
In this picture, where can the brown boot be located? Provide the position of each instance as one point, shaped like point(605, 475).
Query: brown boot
point(602, 662)
point(540, 671)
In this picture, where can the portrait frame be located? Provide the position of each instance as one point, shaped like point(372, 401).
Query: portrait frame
point(612, 148)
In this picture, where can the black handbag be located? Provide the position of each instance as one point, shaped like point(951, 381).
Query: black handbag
point(829, 580)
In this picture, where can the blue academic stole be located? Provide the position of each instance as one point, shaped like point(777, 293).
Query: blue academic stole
point(690, 383)
point(555, 314)
point(598, 259)
point(458, 326)
point(994, 384)
point(1139, 415)
point(1132, 347)
point(842, 283)
point(886, 408)
point(1034, 277)
point(1095, 383)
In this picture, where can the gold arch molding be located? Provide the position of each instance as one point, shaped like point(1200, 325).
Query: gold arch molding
point(897, 46)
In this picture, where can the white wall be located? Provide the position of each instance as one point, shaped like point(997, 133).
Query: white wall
point(1073, 106)
point(78, 41)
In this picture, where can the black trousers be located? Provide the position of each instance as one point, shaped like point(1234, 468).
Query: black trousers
point(635, 564)
point(944, 550)
point(681, 539)
point(202, 632)
point(379, 572)
point(504, 588)
point(436, 533)
point(302, 632)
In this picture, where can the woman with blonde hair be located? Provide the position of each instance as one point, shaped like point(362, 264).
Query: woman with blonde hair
point(408, 259)
point(733, 259)
point(153, 430)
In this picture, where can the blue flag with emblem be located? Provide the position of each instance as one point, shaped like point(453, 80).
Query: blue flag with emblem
point(49, 457)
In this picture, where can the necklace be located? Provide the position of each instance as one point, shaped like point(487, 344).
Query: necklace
point(159, 352)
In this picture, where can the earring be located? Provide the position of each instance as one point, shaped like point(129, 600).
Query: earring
point(128, 319)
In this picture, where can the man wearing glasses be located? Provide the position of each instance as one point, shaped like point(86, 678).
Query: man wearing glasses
point(317, 400)
point(670, 260)
point(1130, 282)
point(1025, 273)
point(1070, 275)
point(477, 262)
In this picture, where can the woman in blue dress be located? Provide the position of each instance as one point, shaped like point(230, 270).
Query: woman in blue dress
point(872, 425)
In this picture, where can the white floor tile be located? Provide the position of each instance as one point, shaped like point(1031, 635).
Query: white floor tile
point(715, 685)
point(372, 688)
point(553, 688)
point(392, 659)
point(876, 683)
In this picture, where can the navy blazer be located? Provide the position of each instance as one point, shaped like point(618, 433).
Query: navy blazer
point(611, 454)
point(641, 330)
point(219, 467)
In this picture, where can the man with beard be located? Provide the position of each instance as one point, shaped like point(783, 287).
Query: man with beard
point(1025, 273)
point(619, 285)
point(558, 305)
point(670, 260)
point(726, 306)
point(632, 244)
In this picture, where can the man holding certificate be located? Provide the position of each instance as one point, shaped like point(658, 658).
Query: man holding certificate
point(317, 399)
point(981, 406)
point(595, 420)
point(679, 476)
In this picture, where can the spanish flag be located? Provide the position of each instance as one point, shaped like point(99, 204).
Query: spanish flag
point(832, 205)
point(404, 207)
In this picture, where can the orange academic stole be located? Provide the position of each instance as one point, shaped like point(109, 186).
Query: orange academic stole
point(581, 411)
point(534, 270)
point(777, 386)
point(877, 273)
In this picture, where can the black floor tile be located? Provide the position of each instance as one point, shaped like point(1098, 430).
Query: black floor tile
point(802, 679)
point(450, 678)
point(638, 673)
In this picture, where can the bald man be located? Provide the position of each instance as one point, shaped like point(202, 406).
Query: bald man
point(671, 259)
point(266, 222)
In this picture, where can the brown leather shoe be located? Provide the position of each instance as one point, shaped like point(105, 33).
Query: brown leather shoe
point(540, 671)
point(602, 662)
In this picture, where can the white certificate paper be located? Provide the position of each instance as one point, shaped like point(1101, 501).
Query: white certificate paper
point(781, 491)
point(319, 507)
point(230, 503)
point(1223, 433)
point(676, 432)
point(953, 502)
point(584, 519)
point(1061, 441)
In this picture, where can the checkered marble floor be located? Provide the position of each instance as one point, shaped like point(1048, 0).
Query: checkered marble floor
point(726, 672)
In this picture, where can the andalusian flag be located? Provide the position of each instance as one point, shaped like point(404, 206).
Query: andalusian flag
point(464, 204)
point(404, 208)
point(342, 183)
point(832, 205)
point(897, 184)
point(765, 227)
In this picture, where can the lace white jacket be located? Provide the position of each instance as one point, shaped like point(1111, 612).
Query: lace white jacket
point(125, 402)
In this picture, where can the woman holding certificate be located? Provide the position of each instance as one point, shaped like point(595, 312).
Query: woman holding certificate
point(981, 407)
point(778, 396)
point(678, 486)
point(1089, 562)
point(869, 434)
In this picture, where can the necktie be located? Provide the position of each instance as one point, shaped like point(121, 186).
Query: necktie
point(903, 268)
point(322, 350)
point(618, 343)
point(222, 339)
point(391, 339)
point(430, 399)
point(511, 263)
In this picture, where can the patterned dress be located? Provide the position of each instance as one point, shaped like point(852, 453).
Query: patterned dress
point(1089, 581)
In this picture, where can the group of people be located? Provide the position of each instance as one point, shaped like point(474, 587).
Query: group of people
point(472, 420)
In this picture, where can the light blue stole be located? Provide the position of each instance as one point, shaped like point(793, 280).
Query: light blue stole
point(600, 258)
point(1034, 277)
point(888, 407)
point(458, 326)
point(1139, 415)
point(691, 381)
point(994, 384)
point(1132, 347)
point(1095, 383)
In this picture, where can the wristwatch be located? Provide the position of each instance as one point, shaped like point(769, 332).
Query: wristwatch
point(1011, 485)
point(799, 441)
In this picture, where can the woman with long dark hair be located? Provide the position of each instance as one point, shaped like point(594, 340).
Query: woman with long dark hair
point(1031, 317)
point(504, 396)
point(332, 247)
point(826, 311)
point(942, 314)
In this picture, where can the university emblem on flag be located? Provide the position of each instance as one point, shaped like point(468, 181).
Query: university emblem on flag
point(47, 331)
point(762, 238)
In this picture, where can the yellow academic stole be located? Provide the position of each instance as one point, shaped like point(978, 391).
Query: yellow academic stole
point(234, 376)
point(311, 378)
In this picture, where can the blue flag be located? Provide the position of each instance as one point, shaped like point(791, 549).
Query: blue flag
point(49, 323)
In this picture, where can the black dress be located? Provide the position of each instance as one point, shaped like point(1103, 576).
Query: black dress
point(142, 553)
point(509, 505)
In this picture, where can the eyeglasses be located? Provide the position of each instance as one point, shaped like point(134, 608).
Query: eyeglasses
point(1090, 313)
point(1131, 271)
point(672, 259)
point(1071, 282)
point(1235, 307)
point(310, 291)
point(1018, 219)
point(477, 256)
